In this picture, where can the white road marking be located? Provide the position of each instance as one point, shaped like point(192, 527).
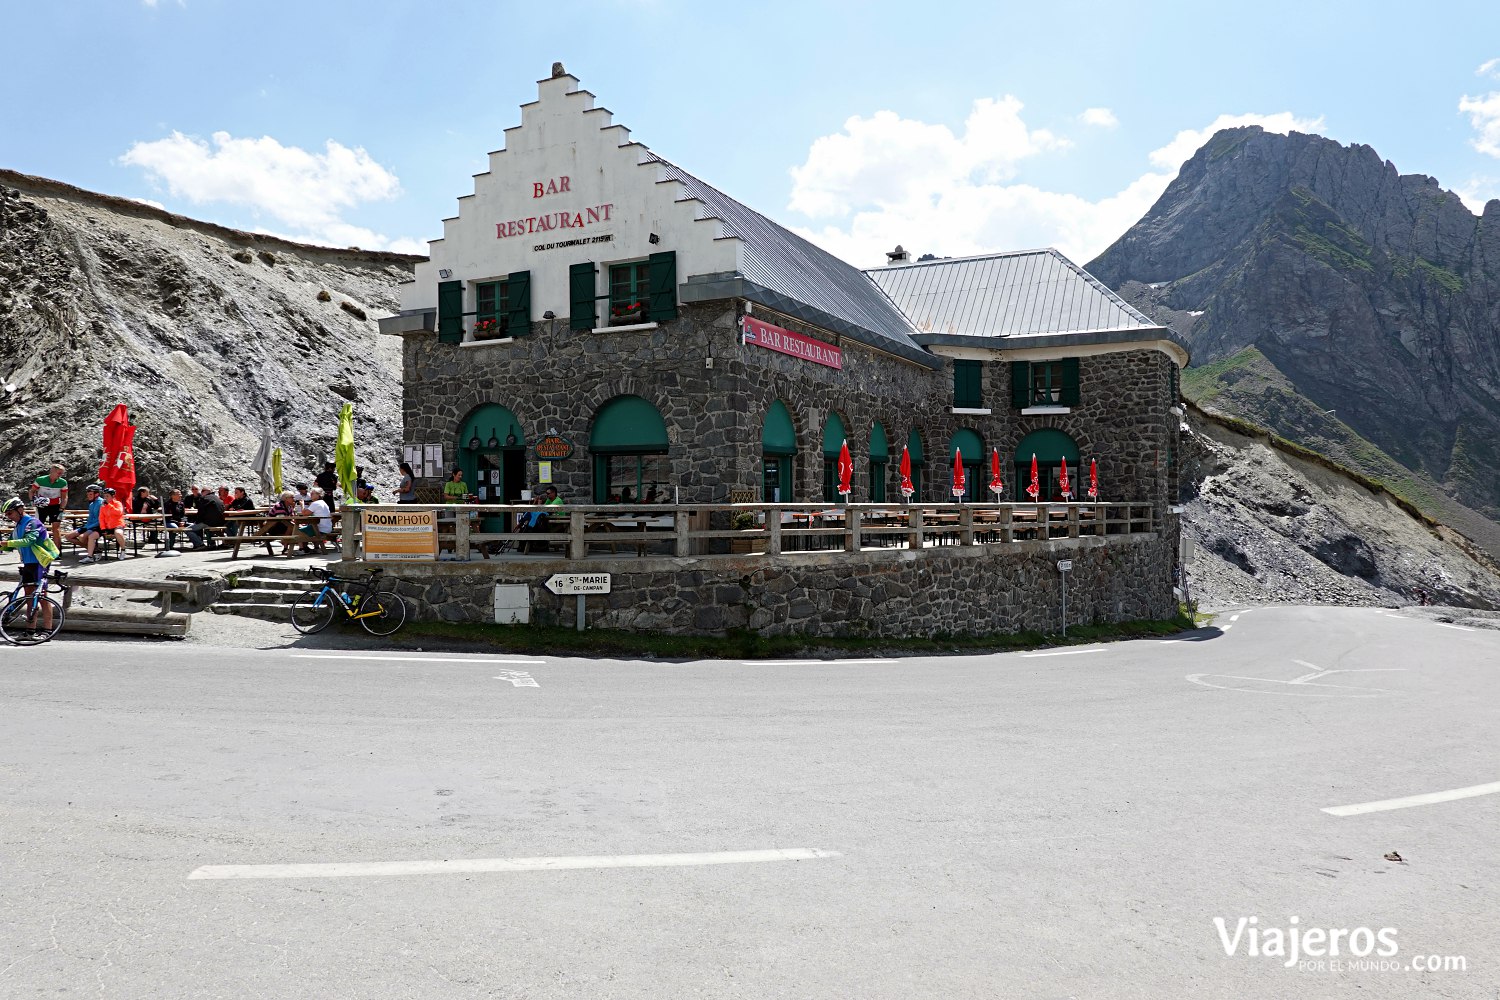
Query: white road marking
point(1064, 652)
point(808, 663)
point(1305, 680)
point(517, 678)
point(1414, 800)
point(353, 869)
point(410, 659)
point(1228, 627)
point(1234, 618)
point(1446, 625)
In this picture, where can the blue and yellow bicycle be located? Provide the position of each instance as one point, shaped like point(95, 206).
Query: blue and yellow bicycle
point(361, 600)
point(28, 620)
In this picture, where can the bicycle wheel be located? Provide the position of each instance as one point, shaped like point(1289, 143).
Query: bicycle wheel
point(391, 613)
point(21, 623)
point(313, 611)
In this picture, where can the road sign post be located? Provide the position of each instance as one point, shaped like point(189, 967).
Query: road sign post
point(1063, 566)
point(581, 584)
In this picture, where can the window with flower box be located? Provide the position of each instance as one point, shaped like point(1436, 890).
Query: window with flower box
point(1044, 383)
point(629, 293)
point(491, 305)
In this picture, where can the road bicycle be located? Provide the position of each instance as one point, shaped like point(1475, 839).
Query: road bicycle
point(380, 614)
point(22, 616)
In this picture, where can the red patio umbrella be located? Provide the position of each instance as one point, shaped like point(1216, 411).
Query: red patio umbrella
point(846, 471)
point(1093, 479)
point(1035, 489)
point(958, 472)
point(1063, 484)
point(997, 485)
point(118, 468)
point(907, 489)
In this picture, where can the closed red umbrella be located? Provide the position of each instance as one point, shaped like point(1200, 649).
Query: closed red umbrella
point(118, 468)
point(907, 489)
point(846, 471)
point(1093, 479)
point(958, 472)
point(997, 485)
point(1063, 484)
point(1035, 489)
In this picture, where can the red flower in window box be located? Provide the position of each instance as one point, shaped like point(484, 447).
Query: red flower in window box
point(485, 329)
point(633, 311)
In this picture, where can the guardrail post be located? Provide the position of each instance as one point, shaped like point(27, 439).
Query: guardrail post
point(966, 525)
point(348, 542)
point(461, 550)
point(575, 535)
point(1072, 520)
point(773, 532)
point(682, 523)
point(914, 522)
point(851, 530)
point(1007, 528)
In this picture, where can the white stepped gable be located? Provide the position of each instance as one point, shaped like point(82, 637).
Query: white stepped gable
point(568, 173)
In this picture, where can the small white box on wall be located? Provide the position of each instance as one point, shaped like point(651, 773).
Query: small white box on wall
point(512, 604)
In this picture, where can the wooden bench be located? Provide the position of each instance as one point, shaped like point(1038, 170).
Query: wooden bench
point(163, 622)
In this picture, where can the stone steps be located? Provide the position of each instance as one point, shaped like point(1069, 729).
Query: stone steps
point(265, 591)
point(265, 612)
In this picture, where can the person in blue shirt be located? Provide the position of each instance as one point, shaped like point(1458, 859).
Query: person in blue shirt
point(37, 552)
point(88, 536)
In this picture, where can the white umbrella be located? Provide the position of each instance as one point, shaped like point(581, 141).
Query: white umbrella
point(262, 464)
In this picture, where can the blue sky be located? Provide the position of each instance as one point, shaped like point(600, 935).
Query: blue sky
point(952, 128)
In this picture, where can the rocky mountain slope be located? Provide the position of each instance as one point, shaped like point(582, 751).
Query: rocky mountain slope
point(209, 334)
point(1371, 300)
point(1272, 525)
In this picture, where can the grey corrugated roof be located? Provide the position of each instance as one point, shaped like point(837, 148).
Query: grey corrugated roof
point(1030, 293)
point(777, 259)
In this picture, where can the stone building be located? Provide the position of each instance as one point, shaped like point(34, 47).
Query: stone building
point(598, 318)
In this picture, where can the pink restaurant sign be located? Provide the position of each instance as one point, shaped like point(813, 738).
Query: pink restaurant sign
point(774, 338)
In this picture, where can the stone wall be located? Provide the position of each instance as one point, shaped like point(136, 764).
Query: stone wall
point(974, 590)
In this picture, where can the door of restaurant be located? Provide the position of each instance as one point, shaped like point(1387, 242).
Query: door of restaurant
point(491, 451)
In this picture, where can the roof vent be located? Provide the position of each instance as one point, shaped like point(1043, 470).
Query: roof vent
point(897, 256)
point(557, 70)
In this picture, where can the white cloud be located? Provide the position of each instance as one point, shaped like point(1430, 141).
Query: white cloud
point(1491, 68)
point(303, 190)
point(148, 201)
point(1484, 115)
point(886, 180)
point(1478, 192)
point(1100, 117)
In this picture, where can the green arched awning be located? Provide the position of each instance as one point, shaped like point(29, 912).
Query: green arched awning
point(914, 445)
point(628, 424)
point(834, 434)
point(778, 436)
point(879, 450)
point(968, 442)
point(1048, 446)
point(490, 421)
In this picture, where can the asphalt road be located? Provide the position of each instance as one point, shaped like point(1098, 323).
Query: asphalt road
point(1054, 826)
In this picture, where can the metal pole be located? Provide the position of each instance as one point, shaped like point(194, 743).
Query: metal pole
point(1065, 603)
point(580, 612)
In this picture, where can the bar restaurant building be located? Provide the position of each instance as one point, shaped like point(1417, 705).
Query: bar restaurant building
point(597, 318)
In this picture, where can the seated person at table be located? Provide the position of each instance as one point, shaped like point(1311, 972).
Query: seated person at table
point(238, 504)
point(533, 521)
point(112, 519)
point(627, 495)
point(208, 513)
point(653, 496)
point(88, 535)
point(174, 515)
point(144, 503)
point(366, 493)
point(320, 530)
point(455, 490)
point(285, 506)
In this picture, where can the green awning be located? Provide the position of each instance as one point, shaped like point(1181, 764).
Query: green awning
point(967, 441)
point(1048, 446)
point(834, 434)
point(778, 436)
point(628, 424)
point(490, 421)
point(879, 450)
point(914, 445)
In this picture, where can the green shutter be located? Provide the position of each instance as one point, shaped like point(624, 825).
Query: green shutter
point(1070, 382)
point(451, 311)
point(583, 283)
point(1020, 384)
point(967, 392)
point(518, 303)
point(661, 301)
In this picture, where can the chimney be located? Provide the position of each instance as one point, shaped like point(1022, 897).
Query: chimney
point(897, 256)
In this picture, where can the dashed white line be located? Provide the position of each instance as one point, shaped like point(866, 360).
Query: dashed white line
point(1228, 627)
point(1234, 618)
point(1446, 625)
point(808, 663)
point(369, 868)
point(1063, 652)
point(1414, 800)
point(413, 659)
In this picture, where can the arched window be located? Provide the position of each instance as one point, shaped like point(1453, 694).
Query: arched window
point(1050, 447)
point(629, 446)
point(778, 438)
point(967, 444)
point(834, 437)
point(879, 459)
point(491, 451)
point(914, 452)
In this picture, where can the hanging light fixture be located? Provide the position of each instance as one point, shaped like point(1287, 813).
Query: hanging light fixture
point(510, 439)
point(474, 441)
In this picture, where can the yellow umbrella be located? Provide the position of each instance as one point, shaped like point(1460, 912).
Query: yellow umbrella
point(276, 471)
point(343, 452)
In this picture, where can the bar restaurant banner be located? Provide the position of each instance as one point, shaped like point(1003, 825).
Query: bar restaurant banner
point(400, 536)
point(775, 338)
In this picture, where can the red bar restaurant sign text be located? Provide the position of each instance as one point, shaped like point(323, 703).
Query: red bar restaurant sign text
point(774, 338)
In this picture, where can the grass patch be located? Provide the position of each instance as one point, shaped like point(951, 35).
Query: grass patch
point(745, 645)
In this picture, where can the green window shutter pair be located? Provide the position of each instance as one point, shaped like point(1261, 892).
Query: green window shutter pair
point(968, 380)
point(661, 287)
point(583, 309)
point(1069, 382)
point(450, 312)
point(518, 303)
point(1020, 384)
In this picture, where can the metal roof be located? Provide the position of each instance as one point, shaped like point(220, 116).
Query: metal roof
point(777, 259)
point(1024, 294)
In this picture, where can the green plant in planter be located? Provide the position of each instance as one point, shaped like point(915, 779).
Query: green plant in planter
point(743, 520)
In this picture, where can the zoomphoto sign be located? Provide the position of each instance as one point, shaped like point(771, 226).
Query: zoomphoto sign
point(400, 535)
